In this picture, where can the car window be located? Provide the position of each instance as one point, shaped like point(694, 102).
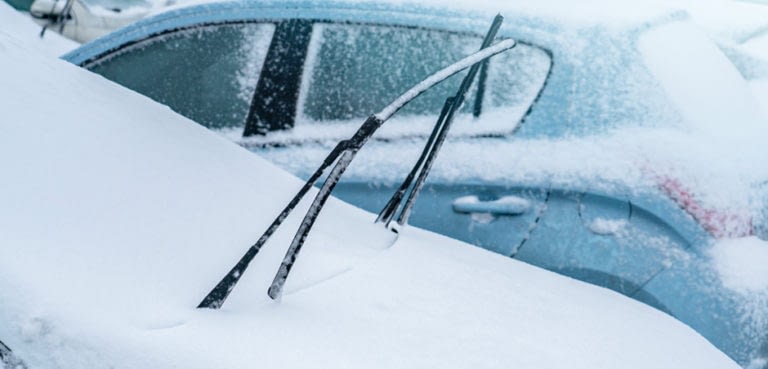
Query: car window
point(354, 70)
point(207, 73)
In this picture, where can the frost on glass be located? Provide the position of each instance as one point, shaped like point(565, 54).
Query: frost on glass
point(516, 77)
point(207, 74)
point(355, 70)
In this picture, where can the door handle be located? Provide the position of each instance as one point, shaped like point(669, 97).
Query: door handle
point(506, 205)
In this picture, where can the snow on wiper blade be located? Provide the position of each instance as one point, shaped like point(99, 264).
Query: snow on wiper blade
point(434, 143)
point(443, 74)
point(342, 155)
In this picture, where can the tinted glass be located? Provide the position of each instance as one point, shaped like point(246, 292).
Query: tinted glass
point(207, 73)
point(358, 69)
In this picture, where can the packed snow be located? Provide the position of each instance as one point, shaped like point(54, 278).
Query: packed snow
point(760, 89)
point(741, 263)
point(741, 266)
point(502, 205)
point(118, 215)
point(607, 226)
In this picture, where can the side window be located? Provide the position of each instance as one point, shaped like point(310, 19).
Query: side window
point(516, 77)
point(207, 73)
point(355, 69)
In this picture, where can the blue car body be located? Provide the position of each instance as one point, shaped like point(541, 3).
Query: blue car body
point(641, 241)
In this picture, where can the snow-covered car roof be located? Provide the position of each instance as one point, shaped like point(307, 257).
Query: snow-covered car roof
point(117, 215)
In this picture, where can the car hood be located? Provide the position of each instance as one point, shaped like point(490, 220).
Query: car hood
point(118, 215)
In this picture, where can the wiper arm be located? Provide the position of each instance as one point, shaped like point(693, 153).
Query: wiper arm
point(342, 155)
point(59, 19)
point(482, 79)
point(436, 139)
point(9, 359)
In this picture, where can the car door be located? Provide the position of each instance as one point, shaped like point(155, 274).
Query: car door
point(496, 218)
point(607, 240)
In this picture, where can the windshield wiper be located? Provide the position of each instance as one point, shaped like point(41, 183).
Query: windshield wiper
point(435, 141)
point(56, 19)
point(9, 359)
point(342, 155)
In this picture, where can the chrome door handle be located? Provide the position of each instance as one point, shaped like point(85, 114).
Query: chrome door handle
point(507, 205)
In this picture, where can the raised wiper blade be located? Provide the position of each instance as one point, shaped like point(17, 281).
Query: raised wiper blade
point(423, 165)
point(59, 19)
point(342, 155)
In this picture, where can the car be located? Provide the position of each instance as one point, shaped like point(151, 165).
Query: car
point(614, 148)
point(119, 214)
point(83, 20)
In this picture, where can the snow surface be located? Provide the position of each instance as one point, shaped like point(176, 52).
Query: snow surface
point(607, 226)
point(760, 89)
point(741, 263)
point(502, 205)
point(707, 89)
point(117, 216)
point(606, 12)
point(727, 20)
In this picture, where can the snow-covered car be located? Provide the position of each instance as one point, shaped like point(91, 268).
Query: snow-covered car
point(118, 215)
point(617, 148)
point(83, 20)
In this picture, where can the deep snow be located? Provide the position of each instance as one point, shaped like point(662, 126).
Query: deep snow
point(118, 215)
